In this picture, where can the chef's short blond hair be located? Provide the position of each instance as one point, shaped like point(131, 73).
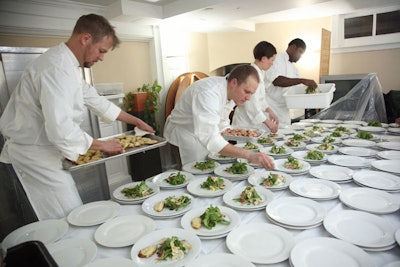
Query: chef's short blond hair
point(242, 72)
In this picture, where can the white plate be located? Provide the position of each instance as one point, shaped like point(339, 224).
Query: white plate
point(393, 264)
point(390, 138)
point(72, 252)
point(320, 139)
point(372, 129)
point(159, 179)
point(394, 130)
point(220, 260)
point(219, 230)
point(220, 158)
point(260, 243)
point(389, 145)
point(389, 154)
point(256, 166)
point(110, 262)
point(315, 147)
point(148, 205)
point(266, 195)
point(377, 179)
point(154, 237)
point(256, 179)
point(315, 188)
point(93, 213)
point(332, 173)
point(331, 122)
point(393, 124)
point(370, 200)
point(220, 170)
point(349, 161)
point(328, 252)
point(267, 150)
point(303, 153)
point(358, 142)
point(189, 167)
point(358, 151)
point(288, 226)
point(301, 125)
point(46, 231)
point(387, 165)
point(301, 145)
point(119, 232)
point(355, 122)
point(397, 236)
point(296, 211)
point(241, 145)
point(360, 228)
point(284, 131)
point(117, 194)
point(195, 189)
point(279, 166)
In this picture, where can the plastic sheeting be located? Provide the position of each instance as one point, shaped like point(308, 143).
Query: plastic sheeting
point(364, 102)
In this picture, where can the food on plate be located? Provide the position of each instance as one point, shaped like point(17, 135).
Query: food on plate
point(314, 155)
point(273, 179)
point(278, 149)
point(328, 139)
point(299, 137)
point(173, 203)
point(176, 178)
point(265, 140)
point(326, 146)
point(375, 123)
point(364, 135)
point(210, 218)
point(250, 146)
point(318, 128)
point(292, 142)
point(89, 156)
point(213, 183)
point(311, 133)
point(249, 196)
point(273, 135)
point(167, 248)
point(241, 132)
point(310, 90)
point(204, 165)
point(139, 190)
point(237, 168)
point(337, 134)
point(342, 129)
point(293, 164)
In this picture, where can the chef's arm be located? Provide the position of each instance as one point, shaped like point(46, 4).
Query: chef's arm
point(256, 157)
point(130, 119)
point(283, 81)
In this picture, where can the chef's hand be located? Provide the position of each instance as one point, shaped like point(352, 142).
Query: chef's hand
point(145, 127)
point(110, 146)
point(310, 83)
point(262, 159)
point(272, 125)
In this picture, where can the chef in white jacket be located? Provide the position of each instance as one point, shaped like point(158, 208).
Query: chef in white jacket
point(281, 76)
point(41, 122)
point(195, 123)
point(256, 113)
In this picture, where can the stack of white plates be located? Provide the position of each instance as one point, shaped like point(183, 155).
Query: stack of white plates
point(229, 198)
point(358, 151)
point(370, 200)
point(280, 166)
point(220, 230)
point(256, 179)
point(335, 174)
point(314, 188)
point(350, 161)
point(220, 170)
point(118, 232)
point(389, 154)
point(368, 231)
point(387, 165)
point(260, 243)
point(93, 213)
point(328, 252)
point(120, 197)
point(194, 188)
point(149, 204)
point(379, 180)
point(160, 179)
point(295, 212)
point(189, 167)
point(302, 155)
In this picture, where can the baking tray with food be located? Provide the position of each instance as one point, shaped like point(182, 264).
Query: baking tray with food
point(131, 143)
point(241, 134)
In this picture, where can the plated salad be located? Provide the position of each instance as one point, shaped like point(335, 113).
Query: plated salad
point(213, 183)
point(273, 179)
point(375, 123)
point(170, 248)
point(311, 133)
point(364, 135)
point(342, 129)
point(204, 165)
point(293, 164)
point(326, 146)
point(250, 146)
point(139, 190)
point(278, 149)
point(209, 219)
point(173, 203)
point(299, 137)
point(176, 178)
point(265, 140)
point(314, 155)
point(292, 142)
point(249, 196)
point(328, 139)
point(237, 168)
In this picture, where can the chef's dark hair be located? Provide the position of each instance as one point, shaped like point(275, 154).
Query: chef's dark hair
point(98, 27)
point(298, 42)
point(242, 72)
point(264, 49)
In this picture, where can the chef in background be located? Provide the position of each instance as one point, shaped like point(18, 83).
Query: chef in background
point(41, 122)
point(195, 123)
point(281, 76)
point(256, 113)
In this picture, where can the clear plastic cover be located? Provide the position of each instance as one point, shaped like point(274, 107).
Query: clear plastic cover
point(364, 102)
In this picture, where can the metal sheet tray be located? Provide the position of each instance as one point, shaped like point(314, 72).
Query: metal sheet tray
point(71, 166)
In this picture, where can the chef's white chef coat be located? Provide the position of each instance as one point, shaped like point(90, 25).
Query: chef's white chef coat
point(195, 123)
point(41, 124)
point(252, 113)
point(281, 67)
